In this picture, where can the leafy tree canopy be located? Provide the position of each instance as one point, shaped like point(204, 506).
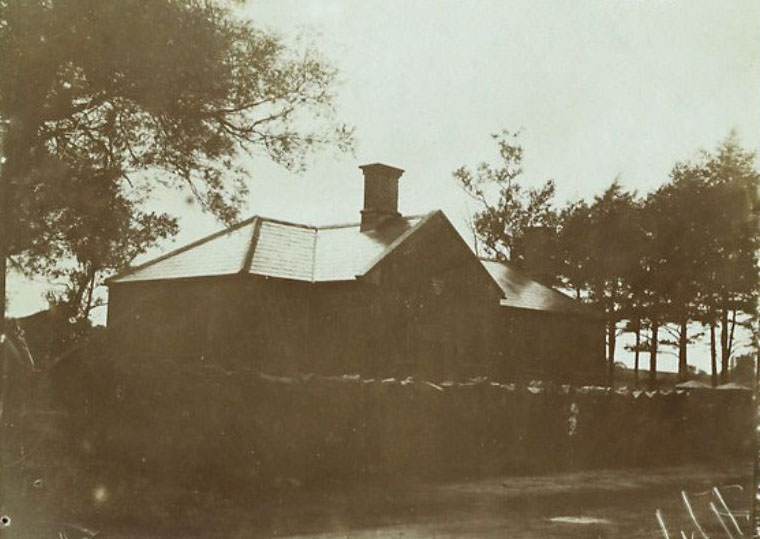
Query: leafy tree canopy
point(600, 244)
point(104, 101)
point(508, 209)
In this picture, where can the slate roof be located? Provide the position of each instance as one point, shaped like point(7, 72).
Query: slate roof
point(274, 248)
point(222, 253)
point(522, 292)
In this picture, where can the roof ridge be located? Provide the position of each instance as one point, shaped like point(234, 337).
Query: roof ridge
point(358, 223)
point(248, 258)
point(288, 223)
point(184, 248)
point(314, 255)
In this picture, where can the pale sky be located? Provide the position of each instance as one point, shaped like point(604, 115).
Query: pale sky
point(600, 88)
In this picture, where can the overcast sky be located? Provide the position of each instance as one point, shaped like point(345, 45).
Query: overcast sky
point(601, 89)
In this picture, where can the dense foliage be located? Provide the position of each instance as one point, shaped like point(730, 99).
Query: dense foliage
point(103, 102)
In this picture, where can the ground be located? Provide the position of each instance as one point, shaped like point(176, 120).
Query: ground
point(586, 504)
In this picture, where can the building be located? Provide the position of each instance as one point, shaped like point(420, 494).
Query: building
point(391, 295)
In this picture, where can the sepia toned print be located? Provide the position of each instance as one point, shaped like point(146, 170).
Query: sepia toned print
point(410, 269)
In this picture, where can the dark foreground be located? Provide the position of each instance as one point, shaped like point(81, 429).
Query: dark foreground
point(607, 503)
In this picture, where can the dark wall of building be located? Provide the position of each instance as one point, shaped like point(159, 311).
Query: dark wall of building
point(234, 321)
point(560, 347)
point(440, 304)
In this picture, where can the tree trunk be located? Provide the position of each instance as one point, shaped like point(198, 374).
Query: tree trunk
point(713, 356)
point(653, 355)
point(731, 335)
point(611, 338)
point(636, 352)
point(5, 447)
point(85, 303)
point(88, 303)
point(724, 355)
point(15, 142)
point(683, 366)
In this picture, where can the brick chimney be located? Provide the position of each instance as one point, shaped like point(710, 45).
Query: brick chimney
point(538, 258)
point(380, 194)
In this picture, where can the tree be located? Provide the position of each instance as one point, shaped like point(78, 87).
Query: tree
point(730, 276)
point(108, 100)
point(744, 370)
point(699, 259)
point(713, 230)
point(98, 233)
point(637, 325)
point(573, 250)
point(657, 275)
point(599, 244)
point(681, 233)
point(508, 210)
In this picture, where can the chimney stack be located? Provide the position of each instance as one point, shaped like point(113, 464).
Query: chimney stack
point(380, 194)
point(538, 253)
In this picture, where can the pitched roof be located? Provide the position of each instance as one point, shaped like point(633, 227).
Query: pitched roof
point(522, 292)
point(273, 248)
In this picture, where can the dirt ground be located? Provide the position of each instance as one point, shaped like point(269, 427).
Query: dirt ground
point(587, 504)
